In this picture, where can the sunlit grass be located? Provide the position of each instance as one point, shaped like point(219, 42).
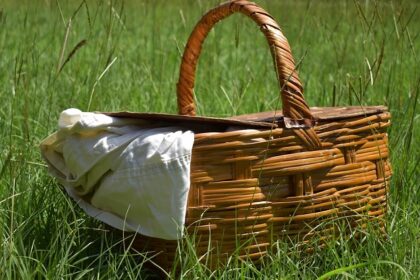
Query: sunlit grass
point(112, 55)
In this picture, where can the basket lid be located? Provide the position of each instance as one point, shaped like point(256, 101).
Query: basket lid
point(204, 122)
point(264, 120)
point(319, 113)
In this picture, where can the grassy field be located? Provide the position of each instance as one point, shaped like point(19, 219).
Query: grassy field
point(125, 56)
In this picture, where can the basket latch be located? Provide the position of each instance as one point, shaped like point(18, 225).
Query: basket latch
point(300, 123)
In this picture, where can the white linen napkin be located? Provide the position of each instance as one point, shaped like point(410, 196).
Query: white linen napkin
point(123, 172)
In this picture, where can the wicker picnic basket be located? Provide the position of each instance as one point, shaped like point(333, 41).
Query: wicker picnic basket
point(309, 167)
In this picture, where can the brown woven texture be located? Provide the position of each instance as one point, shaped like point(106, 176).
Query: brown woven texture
point(251, 187)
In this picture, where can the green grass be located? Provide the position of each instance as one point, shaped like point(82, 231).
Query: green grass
point(349, 53)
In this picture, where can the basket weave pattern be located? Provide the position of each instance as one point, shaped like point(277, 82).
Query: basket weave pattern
point(252, 187)
point(262, 184)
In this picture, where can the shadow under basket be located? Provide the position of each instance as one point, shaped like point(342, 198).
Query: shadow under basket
point(290, 178)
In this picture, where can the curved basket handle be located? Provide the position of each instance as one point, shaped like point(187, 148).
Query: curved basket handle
point(294, 105)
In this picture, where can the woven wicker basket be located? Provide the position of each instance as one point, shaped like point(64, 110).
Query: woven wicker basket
point(251, 187)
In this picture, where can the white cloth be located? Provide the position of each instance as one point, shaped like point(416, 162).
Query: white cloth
point(122, 171)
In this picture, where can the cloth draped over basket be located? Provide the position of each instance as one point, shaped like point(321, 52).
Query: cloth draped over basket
point(122, 171)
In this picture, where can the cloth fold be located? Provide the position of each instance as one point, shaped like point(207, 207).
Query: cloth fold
point(123, 171)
